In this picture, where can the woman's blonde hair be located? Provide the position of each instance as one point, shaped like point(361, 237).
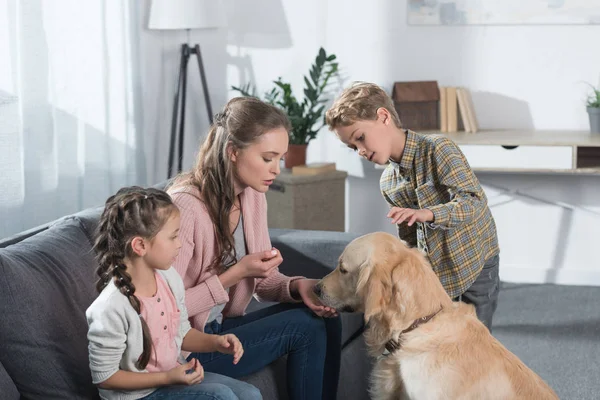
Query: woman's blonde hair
point(241, 122)
point(360, 102)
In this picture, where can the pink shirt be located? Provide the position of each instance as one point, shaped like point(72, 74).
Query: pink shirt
point(162, 316)
point(203, 289)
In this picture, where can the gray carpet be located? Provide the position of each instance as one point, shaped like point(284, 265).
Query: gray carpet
point(555, 330)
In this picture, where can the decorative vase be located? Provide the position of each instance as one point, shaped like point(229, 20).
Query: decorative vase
point(594, 113)
point(296, 155)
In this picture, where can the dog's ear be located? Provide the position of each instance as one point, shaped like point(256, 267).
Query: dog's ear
point(375, 287)
point(364, 270)
point(417, 290)
point(399, 289)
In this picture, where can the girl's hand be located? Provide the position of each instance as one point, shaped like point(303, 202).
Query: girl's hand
point(399, 215)
point(180, 375)
point(230, 344)
point(259, 265)
point(304, 287)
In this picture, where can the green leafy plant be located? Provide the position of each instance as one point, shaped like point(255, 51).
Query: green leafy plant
point(593, 99)
point(306, 116)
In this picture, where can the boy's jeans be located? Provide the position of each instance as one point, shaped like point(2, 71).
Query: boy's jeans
point(483, 293)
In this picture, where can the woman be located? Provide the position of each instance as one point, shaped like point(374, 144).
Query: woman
point(227, 256)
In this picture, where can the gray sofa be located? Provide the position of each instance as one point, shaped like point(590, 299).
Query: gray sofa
point(47, 278)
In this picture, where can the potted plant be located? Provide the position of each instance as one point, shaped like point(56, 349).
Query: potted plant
point(593, 109)
point(306, 116)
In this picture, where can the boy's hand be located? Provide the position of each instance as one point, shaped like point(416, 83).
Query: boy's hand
point(230, 344)
point(399, 215)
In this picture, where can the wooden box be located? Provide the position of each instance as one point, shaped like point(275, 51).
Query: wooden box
point(417, 104)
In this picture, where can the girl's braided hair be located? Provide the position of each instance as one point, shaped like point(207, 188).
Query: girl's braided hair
point(132, 212)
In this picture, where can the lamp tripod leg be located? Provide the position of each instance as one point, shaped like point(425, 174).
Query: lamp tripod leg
point(174, 119)
point(183, 97)
point(204, 84)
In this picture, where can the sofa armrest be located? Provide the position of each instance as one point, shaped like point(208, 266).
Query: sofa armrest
point(313, 254)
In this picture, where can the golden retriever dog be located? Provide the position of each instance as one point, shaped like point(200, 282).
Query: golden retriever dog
point(427, 347)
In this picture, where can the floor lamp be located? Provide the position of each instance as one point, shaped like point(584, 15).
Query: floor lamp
point(185, 14)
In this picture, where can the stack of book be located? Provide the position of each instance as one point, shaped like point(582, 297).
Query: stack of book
point(456, 110)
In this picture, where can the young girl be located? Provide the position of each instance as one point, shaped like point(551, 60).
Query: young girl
point(138, 325)
point(227, 256)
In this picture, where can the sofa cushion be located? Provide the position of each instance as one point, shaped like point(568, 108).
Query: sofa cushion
point(89, 221)
point(46, 284)
point(8, 390)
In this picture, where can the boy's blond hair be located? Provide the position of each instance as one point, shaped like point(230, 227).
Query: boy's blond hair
point(360, 102)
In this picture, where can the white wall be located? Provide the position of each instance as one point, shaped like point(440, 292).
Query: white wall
point(520, 76)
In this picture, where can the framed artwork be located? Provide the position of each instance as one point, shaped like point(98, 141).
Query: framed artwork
point(503, 12)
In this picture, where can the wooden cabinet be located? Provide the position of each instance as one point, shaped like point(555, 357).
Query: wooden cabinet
point(314, 202)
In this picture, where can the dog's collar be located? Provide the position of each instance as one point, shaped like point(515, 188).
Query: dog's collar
point(393, 345)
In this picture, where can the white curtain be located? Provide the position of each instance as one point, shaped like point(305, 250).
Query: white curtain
point(69, 107)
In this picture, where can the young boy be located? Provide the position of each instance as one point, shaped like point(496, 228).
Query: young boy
point(435, 198)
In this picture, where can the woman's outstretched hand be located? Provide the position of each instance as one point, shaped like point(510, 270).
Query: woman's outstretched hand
point(304, 288)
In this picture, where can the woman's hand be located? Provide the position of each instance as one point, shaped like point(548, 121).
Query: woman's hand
point(180, 375)
point(304, 288)
point(230, 344)
point(259, 265)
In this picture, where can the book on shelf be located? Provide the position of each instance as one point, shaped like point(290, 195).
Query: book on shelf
point(456, 110)
point(313, 168)
point(451, 109)
point(443, 110)
point(471, 108)
point(462, 108)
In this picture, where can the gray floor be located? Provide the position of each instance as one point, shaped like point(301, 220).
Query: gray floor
point(555, 330)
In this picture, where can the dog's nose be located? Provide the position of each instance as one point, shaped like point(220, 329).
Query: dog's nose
point(318, 289)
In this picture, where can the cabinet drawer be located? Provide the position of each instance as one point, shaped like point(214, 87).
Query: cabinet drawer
point(520, 157)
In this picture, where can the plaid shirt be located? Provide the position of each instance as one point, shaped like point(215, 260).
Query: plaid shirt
point(434, 174)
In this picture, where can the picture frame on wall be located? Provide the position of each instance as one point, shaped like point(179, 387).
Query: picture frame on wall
point(505, 12)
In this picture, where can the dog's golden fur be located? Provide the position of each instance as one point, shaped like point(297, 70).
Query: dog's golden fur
point(452, 356)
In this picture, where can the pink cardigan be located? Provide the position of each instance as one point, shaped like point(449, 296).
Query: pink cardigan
point(203, 289)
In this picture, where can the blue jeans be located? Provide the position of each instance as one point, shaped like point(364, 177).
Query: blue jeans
point(213, 387)
point(312, 343)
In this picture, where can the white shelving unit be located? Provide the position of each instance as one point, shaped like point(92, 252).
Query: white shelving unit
point(516, 151)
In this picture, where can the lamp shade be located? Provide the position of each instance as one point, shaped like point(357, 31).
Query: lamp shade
point(257, 23)
point(186, 14)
